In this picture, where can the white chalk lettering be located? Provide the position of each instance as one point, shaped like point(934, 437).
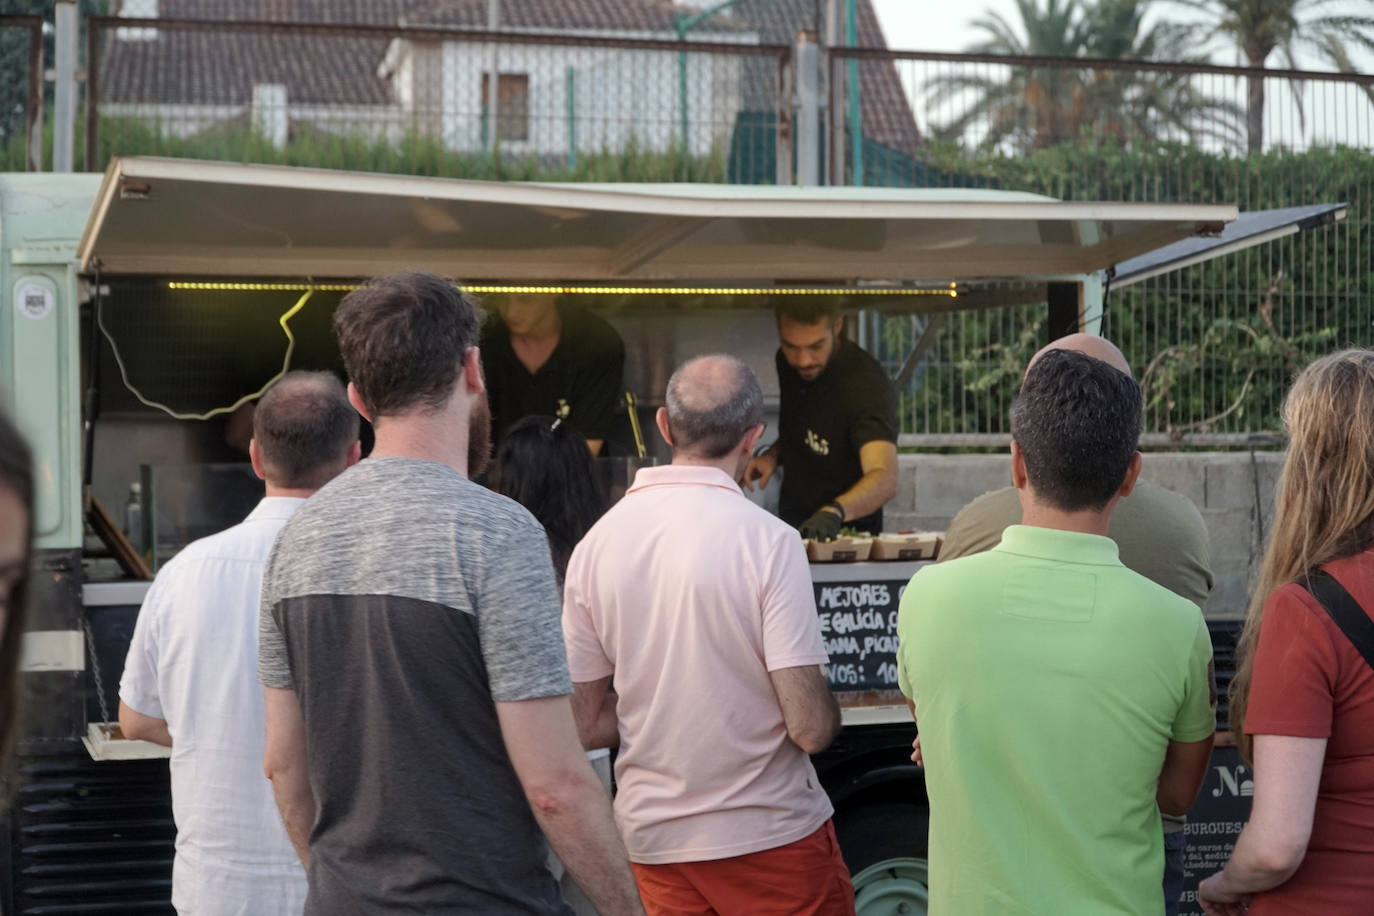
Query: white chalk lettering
point(842, 645)
point(844, 675)
point(886, 644)
point(867, 594)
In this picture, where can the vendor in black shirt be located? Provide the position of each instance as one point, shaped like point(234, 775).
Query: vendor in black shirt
point(837, 429)
point(554, 359)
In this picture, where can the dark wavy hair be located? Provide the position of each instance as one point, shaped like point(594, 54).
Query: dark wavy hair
point(1077, 421)
point(548, 469)
point(16, 475)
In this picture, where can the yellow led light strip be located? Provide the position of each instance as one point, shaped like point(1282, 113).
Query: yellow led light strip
point(951, 291)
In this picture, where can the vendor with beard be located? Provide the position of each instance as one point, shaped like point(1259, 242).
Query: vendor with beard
point(546, 357)
point(837, 427)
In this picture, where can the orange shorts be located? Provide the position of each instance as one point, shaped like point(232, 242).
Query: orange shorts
point(805, 878)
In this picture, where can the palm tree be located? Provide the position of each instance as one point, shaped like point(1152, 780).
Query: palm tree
point(1258, 28)
point(1142, 103)
point(1039, 107)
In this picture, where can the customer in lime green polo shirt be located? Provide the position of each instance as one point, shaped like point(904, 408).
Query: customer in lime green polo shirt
point(1062, 700)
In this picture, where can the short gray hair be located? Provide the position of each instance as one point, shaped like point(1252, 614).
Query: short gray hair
point(305, 428)
point(713, 401)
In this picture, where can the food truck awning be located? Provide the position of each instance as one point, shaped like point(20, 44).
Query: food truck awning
point(1247, 231)
point(196, 218)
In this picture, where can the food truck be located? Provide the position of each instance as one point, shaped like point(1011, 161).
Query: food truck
point(140, 308)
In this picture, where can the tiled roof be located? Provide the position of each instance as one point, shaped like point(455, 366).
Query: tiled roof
point(887, 117)
point(592, 15)
point(220, 67)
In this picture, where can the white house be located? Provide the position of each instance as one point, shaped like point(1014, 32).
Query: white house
point(553, 101)
point(561, 100)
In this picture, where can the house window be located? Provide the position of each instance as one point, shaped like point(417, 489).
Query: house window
point(512, 106)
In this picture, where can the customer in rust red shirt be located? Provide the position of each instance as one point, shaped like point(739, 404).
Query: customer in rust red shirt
point(1304, 691)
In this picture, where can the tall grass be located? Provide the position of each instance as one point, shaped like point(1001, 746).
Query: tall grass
point(414, 154)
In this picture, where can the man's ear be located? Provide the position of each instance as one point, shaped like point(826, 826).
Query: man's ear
point(1132, 476)
point(837, 325)
point(661, 420)
point(1020, 477)
point(357, 401)
point(255, 456)
point(472, 371)
point(751, 440)
point(355, 453)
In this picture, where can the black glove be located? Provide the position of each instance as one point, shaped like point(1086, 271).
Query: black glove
point(823, 526)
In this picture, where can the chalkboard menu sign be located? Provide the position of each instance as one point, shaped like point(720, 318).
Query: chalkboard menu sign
point(1221, 810)
point(857, 603)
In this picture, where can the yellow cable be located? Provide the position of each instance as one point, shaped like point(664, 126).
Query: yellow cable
point(285, 366)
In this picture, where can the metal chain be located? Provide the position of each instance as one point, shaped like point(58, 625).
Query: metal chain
point(95, 670)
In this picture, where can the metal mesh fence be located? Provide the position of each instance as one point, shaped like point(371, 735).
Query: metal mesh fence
point(1213, 344)
point(447, 102)
point(21, 92)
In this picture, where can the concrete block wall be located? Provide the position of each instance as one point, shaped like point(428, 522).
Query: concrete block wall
point(931, 489)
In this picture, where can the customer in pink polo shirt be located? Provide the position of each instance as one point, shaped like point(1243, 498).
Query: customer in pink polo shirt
point(699, 605)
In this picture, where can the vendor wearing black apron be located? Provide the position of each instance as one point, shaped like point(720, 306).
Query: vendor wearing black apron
point(550, 358)
point(837, 429)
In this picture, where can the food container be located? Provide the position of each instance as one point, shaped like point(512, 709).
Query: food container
point(840, 550)
point(921, 545)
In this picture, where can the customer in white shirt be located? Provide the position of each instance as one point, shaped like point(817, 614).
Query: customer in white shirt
point(190, 679)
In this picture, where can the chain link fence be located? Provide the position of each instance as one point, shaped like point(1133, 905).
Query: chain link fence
point(1214, 344)
point(439, 101)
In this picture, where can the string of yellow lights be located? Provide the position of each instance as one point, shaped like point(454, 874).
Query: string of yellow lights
point(951, 291)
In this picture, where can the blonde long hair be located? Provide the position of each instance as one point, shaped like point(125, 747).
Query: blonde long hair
point(1325, 505)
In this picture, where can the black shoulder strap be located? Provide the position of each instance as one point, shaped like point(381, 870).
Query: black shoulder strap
point(1344, 609)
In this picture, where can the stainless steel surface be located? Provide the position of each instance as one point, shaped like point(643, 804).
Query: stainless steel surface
point(112, 594)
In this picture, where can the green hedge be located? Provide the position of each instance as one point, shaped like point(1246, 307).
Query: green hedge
point(415, 154)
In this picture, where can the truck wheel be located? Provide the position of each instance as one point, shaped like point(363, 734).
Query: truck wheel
point(885, 849)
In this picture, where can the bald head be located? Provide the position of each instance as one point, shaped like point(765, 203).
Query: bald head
point(713, 401)
point(1088, 345)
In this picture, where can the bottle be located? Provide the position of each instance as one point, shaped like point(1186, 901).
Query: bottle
point(133, 517)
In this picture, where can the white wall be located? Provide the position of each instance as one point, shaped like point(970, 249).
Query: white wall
point(618, 95)
point(931, 489)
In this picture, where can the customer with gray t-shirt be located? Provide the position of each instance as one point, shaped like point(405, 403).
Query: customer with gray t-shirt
point(419, 733)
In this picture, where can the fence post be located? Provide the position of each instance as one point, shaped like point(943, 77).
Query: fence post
point(94, 28)
point(33, 110)
point(782, 172)
point(572, 118)
point(856, 121)
point(493, 100)
point(64, 97)
point(834, 88)
point(806, 63)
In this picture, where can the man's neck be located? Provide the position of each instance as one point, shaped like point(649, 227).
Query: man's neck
point(726, 465)
point(439, 437)
point(1038, 515)
point(289, 492)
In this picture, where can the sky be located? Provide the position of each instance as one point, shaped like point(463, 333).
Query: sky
point(937, 25)
point(1334, 112)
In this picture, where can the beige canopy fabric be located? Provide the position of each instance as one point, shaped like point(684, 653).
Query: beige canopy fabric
point(170, 217)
